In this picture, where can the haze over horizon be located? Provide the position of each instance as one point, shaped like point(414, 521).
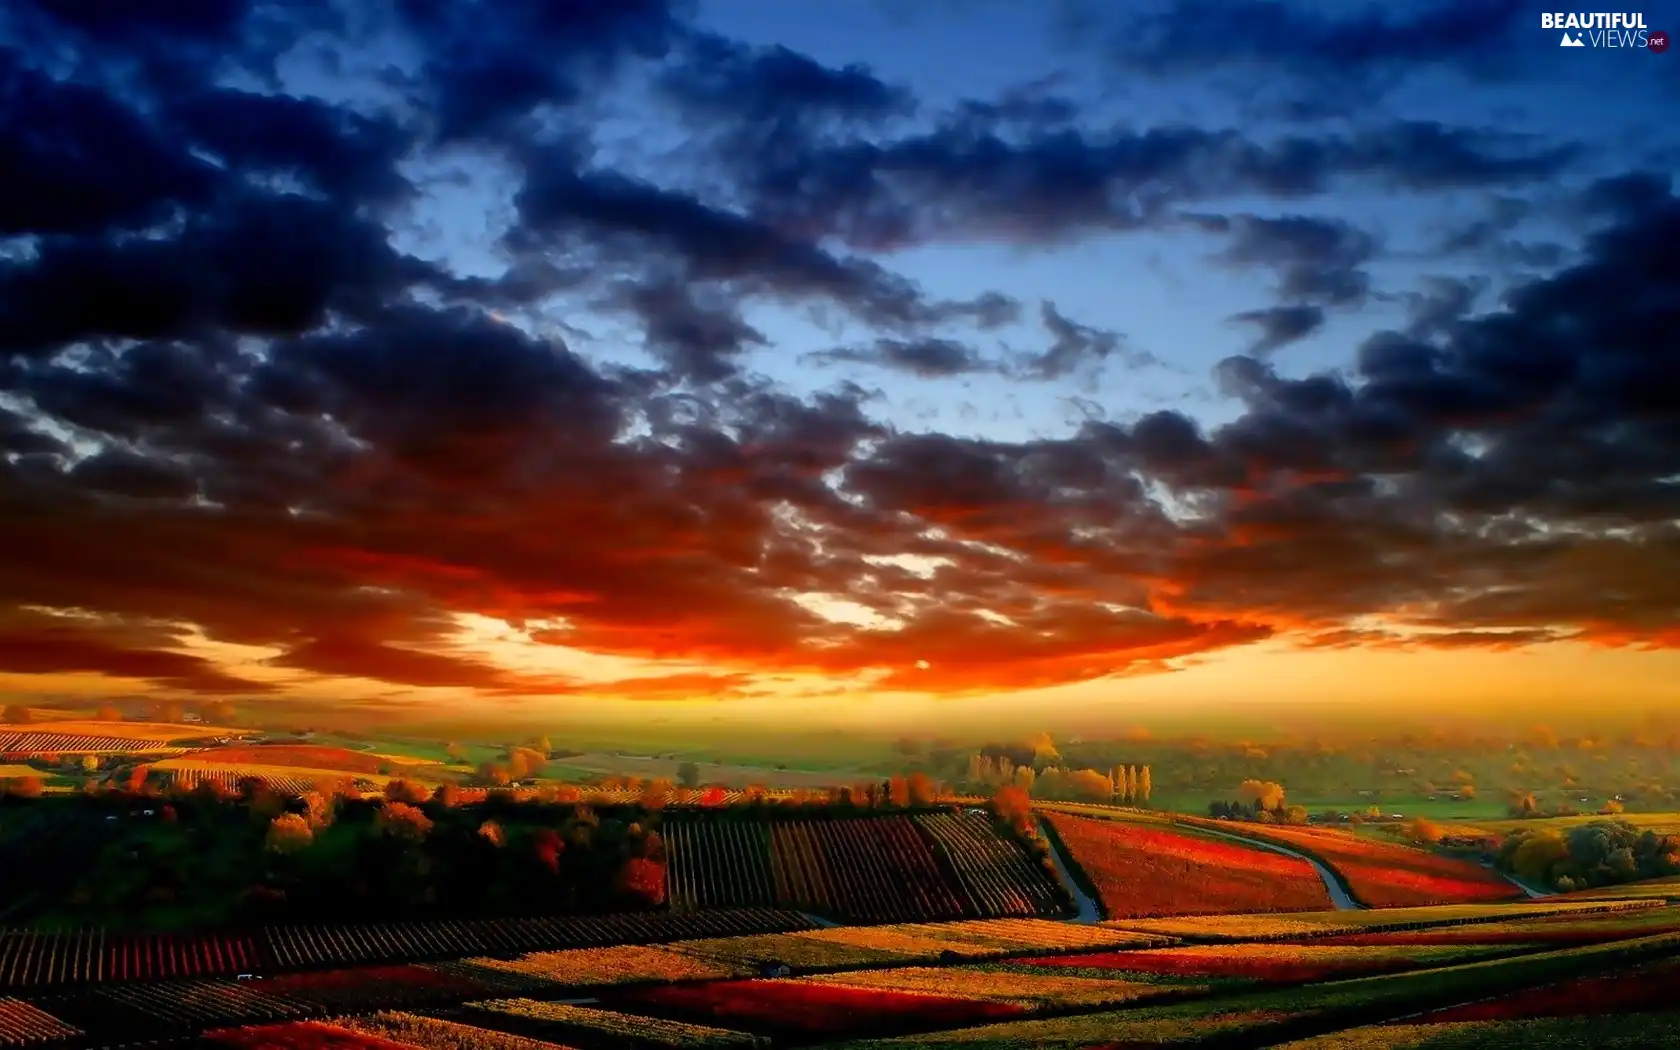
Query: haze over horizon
point(853, 364)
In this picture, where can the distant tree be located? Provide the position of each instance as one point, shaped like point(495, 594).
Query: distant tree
point(22, 787)
point(922, 789)
point(1145, 786)
point(109, 713)
point(492, 832)
point(546, 847)
point(410, 791)
point(17, 715)
point(90, 763)
point(1263, 795)
point(1090, 785)
point(643, 879)
point(1013, 807)
point(1025, 778)
point(898, 792)
point(318, 808)
point(712, 796)
point(494, 773)
point(1467, 792)
point(656, 794)
point(1611, 808)
point(1295, 815)
point(688, 774)
point(455, 752)
point(1423, 830)
point(403, 821)
point(1044, 751)
point(544, 746)
point(288, 833)
point(1132, 785)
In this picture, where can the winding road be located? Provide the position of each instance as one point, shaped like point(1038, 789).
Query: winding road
point(1338, 895)
point(1089, 911)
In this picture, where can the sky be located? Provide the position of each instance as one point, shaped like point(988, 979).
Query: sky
point(837, 362)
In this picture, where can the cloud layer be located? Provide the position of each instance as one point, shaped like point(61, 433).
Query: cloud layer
point(239, 402)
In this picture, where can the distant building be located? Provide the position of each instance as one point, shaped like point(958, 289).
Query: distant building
point(191, 717)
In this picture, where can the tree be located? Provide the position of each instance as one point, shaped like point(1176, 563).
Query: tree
point(1119, 778)
point(455, 752)
point(1423, 830)
point(22, 787)
point(1145, 786)
point(17, 715)
point(688, 774)
point(1611, 808)
point(492, 832)
point(288, 833)
point(643, 879)
point(318, 808)
point(403, 821)
point(1132, 784)
point(898, 792)
point(1044, 751)
point(1090, 784)
point(90, 763)
point(922, 789)
point(544, 746)
point(1467, 792)
point(1013, 807)
point(400, 790)
point(1295, 815)
point(1261, 794)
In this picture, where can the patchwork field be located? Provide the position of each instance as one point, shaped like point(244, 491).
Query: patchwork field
point(1139, 870)
point(1003, 983)
point(300, 756)
point(1242, 928)
point(1386, 875)
point(863, 869)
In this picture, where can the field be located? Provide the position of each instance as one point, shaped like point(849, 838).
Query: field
point(30, 959)
point(980, 983)
point(1240, 928)
point(300, 756)
point(727, 775)
point(1385, 875)
point(1142, 871)
point(282, 780)
point(864, 869)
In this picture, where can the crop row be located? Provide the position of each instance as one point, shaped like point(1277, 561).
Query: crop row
point(36, 959)
point(232, 779)
point(995, 872)
point(436, 1033)
point(563, 1020)
point(73, 743)
point(22, 1025)
point(865, 869)
point(1289, 927)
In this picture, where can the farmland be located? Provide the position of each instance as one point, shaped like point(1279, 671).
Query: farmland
point(1384, 875)
point(895, 983)
point(890, 868)
point(300, 756)
point(1143, 871)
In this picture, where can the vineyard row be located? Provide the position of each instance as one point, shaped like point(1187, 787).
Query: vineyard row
point(49, 743)
point(31, 959)
point(867, 869)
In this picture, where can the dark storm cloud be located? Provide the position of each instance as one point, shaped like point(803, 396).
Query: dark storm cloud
point(232, 402)
point(1281, 325)
point(489, 66)
point(1317, 261)
point(961, 181)
point(930, 358)
point(723, 79)
point(1345, 45)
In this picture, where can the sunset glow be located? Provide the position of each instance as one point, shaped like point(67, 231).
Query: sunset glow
point(720, 360)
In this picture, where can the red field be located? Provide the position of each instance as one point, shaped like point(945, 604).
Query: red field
point(1146, 872)
point(833, 1010)
point(1643, 988)
point(1269, 963)
point(304, 756)
point(300, 1035)
point(1383, 875)
point(367, 987)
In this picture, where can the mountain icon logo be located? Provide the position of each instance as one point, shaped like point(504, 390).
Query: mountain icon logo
point(1571, 41)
